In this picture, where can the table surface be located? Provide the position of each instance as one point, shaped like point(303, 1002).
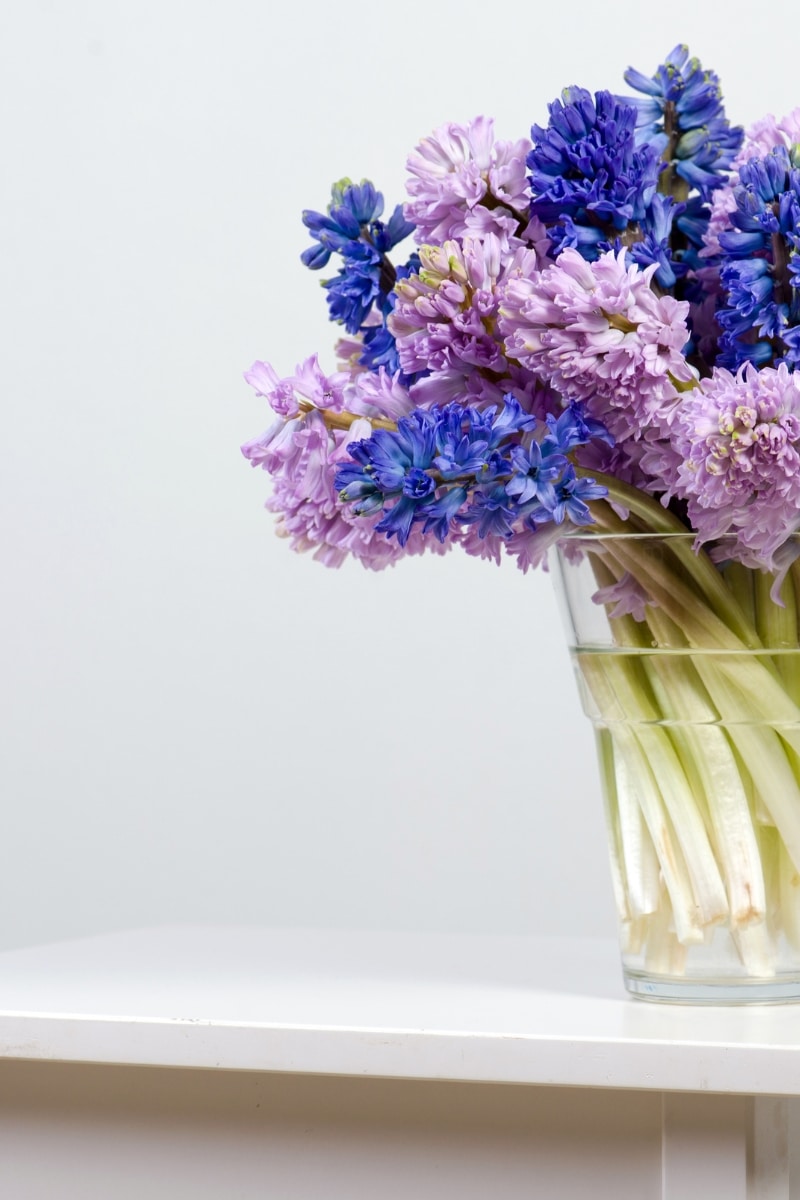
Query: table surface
point(502, 1009)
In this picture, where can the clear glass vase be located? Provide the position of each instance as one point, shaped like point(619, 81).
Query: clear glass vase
point(689, 668)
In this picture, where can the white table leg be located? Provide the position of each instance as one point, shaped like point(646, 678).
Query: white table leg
point(704, 1147)
point(774, 1149)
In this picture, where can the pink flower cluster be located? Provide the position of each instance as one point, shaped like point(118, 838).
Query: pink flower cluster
point(445, 319)
point(599, 333)
point(739, 439)
point(462, 181)
point(309, 383)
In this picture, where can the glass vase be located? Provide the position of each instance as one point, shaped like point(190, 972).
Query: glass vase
point(688, 666)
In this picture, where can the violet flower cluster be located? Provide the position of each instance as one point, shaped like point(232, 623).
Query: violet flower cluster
point(612, 302)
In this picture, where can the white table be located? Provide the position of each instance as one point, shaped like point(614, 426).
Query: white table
point(228, 1062)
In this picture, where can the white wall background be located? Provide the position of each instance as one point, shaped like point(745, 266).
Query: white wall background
point(197, 724)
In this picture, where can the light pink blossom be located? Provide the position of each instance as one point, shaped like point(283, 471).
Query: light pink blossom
point(445, 320)
point(309, 383)
point(599, 333)
point(464, 182)
point(739, 439)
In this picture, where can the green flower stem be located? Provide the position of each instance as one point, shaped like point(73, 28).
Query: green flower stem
point(789, 893)
point(755, 676)
point(705, 736)
point(756, 949)
point(652, 771)
point(760, 747)
point(777, 627)
point(342, 420)
point(634, 865)
point(635, 782)
point(740, 581)
point(637, 778)
point(773, 852)
point(665, 954)
point(623, 887)
point(700, 623)
point(706, 756)
point(637, 864)
point(685, 699)
point(697, 564)
point(745, 691)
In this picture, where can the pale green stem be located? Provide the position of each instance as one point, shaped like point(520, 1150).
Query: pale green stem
point(756, 949)
point(343, 420)
point(717, 680)
point(649, 769)
point(740, 580)
point(719, 776)
point(752, 675)
point(665, 954)
point(635, 782)
point(771, 847)
point(777, 628)
point(789, 897)
point(635, 865)
point(757, 698)
point(635, 777)
point(633, 935)
point(761, 749)
point(623, 887)
point(711, 768)
point(697, 564)
point(639, 855)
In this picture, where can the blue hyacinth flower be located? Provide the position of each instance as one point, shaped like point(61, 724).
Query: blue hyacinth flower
point(351, 227)
point(457, 465)
point(760, 265)
point(681, 114)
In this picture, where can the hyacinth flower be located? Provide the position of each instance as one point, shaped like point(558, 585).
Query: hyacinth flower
point(445, 319)
point(760, 267)
point(464, 182)
point(599, 334)
point(319, 415)
point(739, 441)
point(760, 138)
point(682, 116)
point(585, 161)
point(351, 228)
point(594, 186)
point(458, 465)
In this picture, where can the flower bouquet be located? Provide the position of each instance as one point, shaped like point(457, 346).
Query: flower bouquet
point(589, 355)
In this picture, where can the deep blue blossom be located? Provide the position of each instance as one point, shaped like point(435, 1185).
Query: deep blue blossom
point(655, 242)
point(380, 346)
point(355, 289)
point(492, 510)
point(574, 427)
point(351, 227)
point(760, 265)
point(353, 211)
point(572, 495)
point(682, 116)
point(458, 465)
point(380, 350)
point(595, 189)
point(535, 469)
point(586, 173)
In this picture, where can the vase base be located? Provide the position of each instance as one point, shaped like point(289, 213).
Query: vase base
point(667, 989)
